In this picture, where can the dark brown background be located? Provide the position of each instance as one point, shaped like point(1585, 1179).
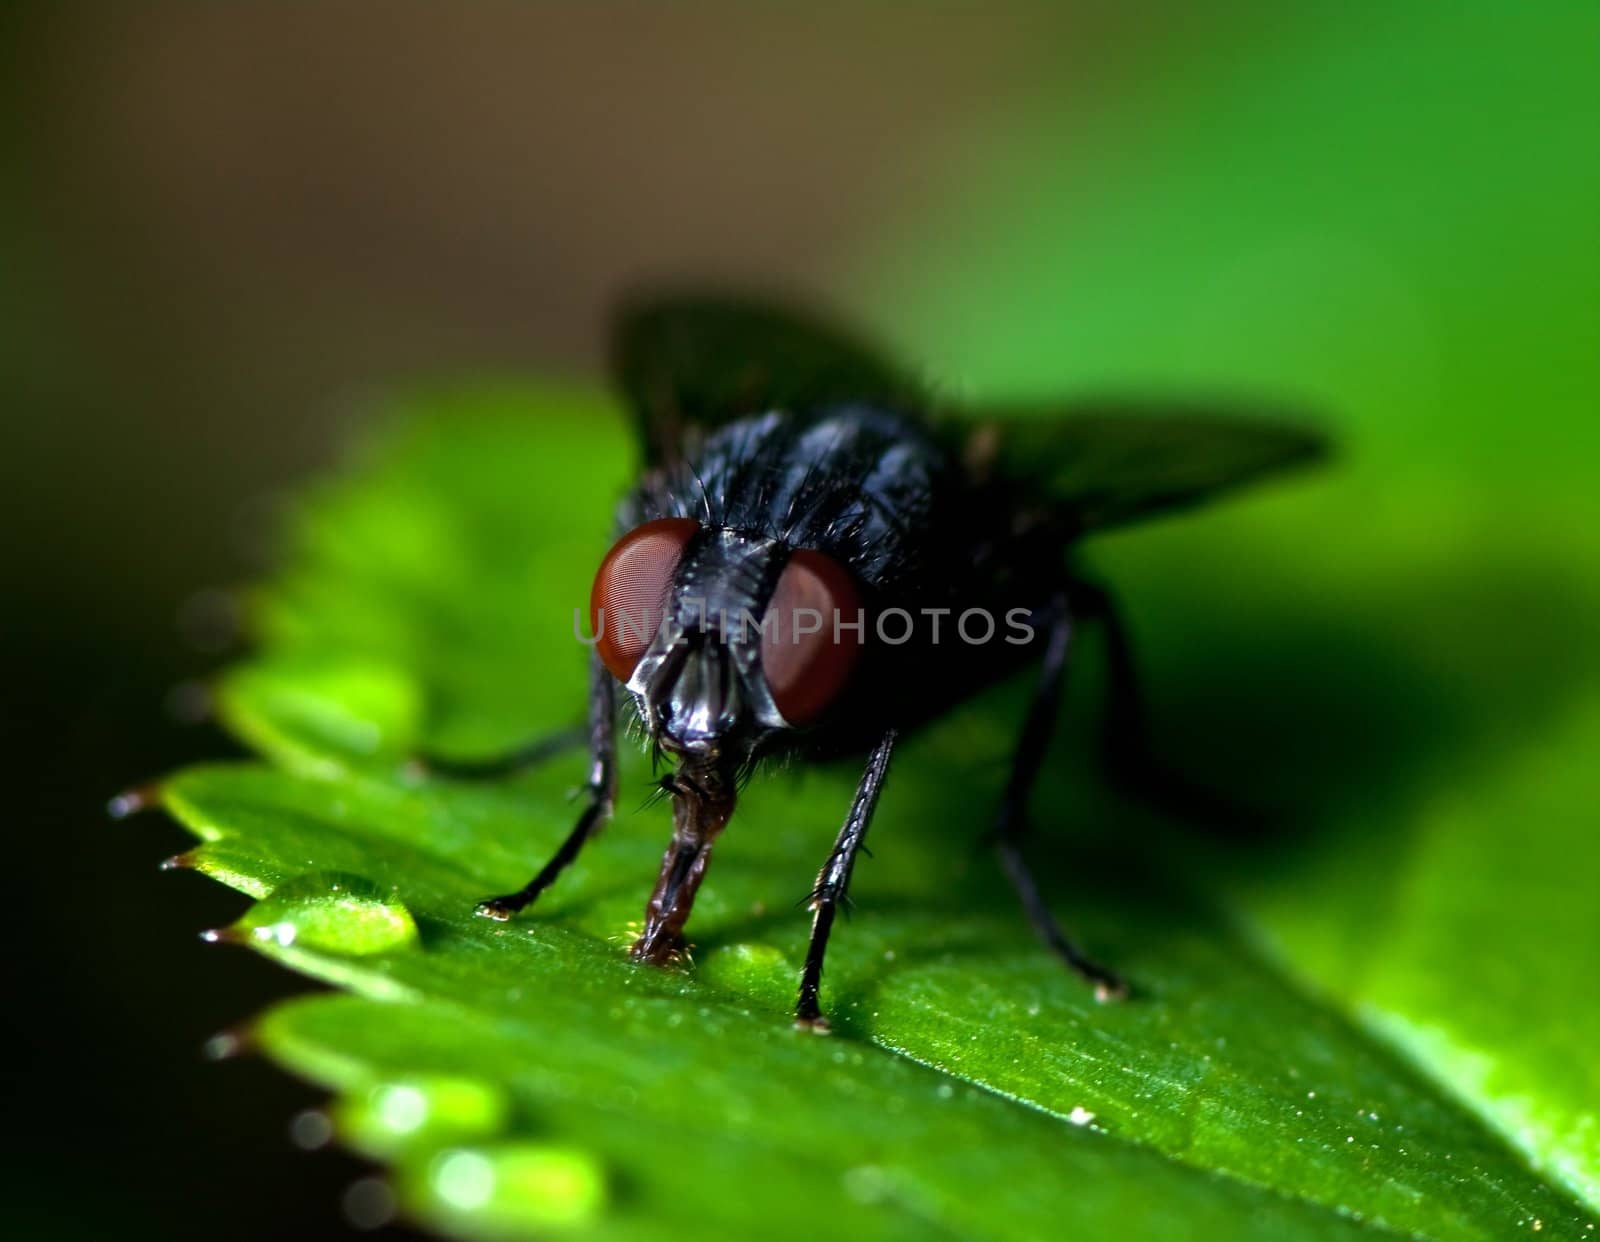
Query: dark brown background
point(216, 224)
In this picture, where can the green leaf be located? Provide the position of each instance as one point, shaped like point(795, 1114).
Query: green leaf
point(1381, 216)
point(526, 1077)
point(1377, 1018)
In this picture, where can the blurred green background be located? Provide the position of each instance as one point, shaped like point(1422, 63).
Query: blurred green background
point(222, 227)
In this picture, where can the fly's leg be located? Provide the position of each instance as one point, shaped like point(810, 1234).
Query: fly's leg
point(1129, 759)
point(600, 792)
point(833, 882)
point(494, 767)
point(1124, 734)
point(1012, 825)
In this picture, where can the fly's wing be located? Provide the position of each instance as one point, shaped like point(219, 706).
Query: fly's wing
point(1104, 466)
point(696, 362)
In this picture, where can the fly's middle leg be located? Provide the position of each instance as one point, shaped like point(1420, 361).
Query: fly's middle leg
point(1012, 824)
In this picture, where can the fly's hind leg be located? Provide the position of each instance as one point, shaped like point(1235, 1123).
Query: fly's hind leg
point(600, 794)
point(1127, 754)
point(496, 767)
point(1012, 825)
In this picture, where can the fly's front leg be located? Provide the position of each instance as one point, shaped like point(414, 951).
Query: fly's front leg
point(1012, 825)
point(833, 882)
point(600, 793)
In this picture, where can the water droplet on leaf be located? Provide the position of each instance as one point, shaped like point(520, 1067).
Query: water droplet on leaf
point(428, 1110)
point(328, 911)
point(514, 1187)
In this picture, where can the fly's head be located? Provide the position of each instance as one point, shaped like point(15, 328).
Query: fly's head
point(724, 639)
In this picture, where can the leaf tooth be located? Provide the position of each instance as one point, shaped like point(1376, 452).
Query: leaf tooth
point(230, 1042)
point(131, 801)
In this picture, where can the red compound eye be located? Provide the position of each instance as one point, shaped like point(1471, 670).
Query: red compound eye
point(631, 588)
point(807, 651)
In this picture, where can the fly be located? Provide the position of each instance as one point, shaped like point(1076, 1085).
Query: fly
point(816, 560)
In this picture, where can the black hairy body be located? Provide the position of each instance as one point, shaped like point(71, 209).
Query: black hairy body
point(788, 471)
